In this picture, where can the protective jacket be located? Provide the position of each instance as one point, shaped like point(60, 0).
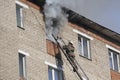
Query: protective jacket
point(69, 50)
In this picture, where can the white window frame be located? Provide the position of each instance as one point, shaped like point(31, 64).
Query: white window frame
point(83, 34)
point(54, 67)
point(24, 53)
point(53, 73)
point(22, 5)
point(88, 47)
point(21, 16)
point(23, 65)
point(110, 48)
point(113, 60)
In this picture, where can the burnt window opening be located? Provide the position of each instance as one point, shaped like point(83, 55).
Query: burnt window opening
point(52, 48)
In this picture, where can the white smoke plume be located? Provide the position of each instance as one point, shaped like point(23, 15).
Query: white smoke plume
point(55, 18)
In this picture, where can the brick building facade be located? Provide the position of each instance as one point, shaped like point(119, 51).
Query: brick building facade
point(25, 54)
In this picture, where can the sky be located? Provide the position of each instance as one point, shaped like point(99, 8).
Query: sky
point(103, 12)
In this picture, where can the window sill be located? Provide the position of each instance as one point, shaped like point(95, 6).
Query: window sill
point(21, 27)
point(22, 78)
point(85, 57)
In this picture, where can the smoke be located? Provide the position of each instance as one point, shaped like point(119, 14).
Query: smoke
point(55, 18)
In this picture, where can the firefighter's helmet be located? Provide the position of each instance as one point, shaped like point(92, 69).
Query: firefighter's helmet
point(71, 42)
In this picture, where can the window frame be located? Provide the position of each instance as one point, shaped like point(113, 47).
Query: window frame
point(23, 64)
point(118, 60)
point(60, 75)
point(21, 16)
point(82, 53)
point(54, 66)
point(109, 47)
point(22, 5)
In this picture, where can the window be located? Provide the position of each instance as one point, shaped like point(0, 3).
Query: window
point(114, 60)
point(22, 65)
point(19, 14)
point(84, 46)
point(54, 74)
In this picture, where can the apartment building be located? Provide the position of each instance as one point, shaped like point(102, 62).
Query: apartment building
point(27, 54)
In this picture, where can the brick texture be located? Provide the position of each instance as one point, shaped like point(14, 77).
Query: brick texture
point(8, 41)
point(115, 75)
point(32, 40)
point(93, 68)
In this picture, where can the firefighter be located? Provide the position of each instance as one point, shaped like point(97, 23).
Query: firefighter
point(70, 51)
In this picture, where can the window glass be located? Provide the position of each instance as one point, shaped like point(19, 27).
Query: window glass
point(83, 44)
point(110, 60)
point(80, 45)
point(19, 15)
point(115, 62)
point(119, 62)
point(85, 47)
point(22, 65)
point(50, 74)
point(54, 74)
point(113, 59)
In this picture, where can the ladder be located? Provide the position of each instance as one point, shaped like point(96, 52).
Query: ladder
point(80, 72)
